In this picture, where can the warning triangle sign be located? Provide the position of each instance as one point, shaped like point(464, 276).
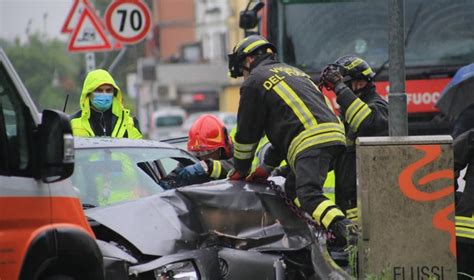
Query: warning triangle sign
point(88, 35)
point(74, 14)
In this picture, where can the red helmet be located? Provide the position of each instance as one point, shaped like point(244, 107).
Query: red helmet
point(207, 134)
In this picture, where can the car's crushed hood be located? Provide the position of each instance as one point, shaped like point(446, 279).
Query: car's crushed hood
point(224, 213)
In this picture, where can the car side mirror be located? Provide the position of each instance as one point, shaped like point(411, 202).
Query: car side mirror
point(57, 146)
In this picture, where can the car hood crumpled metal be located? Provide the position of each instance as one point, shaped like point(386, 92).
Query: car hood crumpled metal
point(224, 213)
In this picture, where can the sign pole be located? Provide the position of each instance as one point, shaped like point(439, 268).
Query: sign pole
point(117, 59)
point(90, 61)
point(397, 98)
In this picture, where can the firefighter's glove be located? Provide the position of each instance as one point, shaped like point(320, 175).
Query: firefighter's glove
point(189, 172)
point(260, 174)
point(331, 77)
point(282, 171)
point(235, 175)
point(345, 233)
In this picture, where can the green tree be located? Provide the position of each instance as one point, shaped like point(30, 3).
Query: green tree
point(48, 71)
point(4, 43)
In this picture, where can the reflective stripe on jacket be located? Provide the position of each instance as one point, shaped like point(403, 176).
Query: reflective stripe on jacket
point(218, 169)
point(465, 227)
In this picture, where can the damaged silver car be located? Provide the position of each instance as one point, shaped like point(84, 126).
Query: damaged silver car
point(217, 230)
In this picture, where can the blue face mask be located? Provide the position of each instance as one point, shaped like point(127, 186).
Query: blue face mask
point(101, 101)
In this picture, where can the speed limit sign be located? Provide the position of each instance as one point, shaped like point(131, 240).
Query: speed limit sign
point(128, 21)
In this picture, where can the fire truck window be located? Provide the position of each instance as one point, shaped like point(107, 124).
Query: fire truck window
point(439, 33)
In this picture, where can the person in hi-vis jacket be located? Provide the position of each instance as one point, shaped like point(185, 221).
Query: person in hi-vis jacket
point(102, 112)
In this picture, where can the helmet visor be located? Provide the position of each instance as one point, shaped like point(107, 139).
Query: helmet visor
point(200, 154)
point(235, 69)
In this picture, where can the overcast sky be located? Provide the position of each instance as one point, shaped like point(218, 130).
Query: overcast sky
point(43, 15)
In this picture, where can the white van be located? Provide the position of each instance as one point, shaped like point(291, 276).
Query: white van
point(166, 123)
point(43, 231)
point(228, 118)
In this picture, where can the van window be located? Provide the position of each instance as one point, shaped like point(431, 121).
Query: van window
point(169, 121)
point(13, 129)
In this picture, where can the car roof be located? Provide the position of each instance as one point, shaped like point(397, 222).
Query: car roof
point(166, 111)
point(108, 142)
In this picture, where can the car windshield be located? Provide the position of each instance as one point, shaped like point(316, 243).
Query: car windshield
point(438, 32)
point(104, 176)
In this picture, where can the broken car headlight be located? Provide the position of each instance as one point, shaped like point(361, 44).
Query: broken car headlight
point(184, 270)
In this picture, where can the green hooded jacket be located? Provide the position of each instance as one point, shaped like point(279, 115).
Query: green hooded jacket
point(124, 123)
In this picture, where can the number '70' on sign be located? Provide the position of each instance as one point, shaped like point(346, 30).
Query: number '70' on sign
point(128, 21)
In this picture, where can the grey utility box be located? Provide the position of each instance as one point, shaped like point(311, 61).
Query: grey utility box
point(406, 207)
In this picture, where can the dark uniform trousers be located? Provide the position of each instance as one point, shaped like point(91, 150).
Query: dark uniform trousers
point(310, 171)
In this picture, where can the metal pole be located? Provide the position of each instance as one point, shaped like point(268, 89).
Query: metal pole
point(398, 120)
point(90, 61)
point(281, 27)
point(117, 59)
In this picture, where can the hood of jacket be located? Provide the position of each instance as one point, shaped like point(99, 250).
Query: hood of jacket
point(93, 80)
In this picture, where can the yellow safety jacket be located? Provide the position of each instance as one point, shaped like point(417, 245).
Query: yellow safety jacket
point(124, 125)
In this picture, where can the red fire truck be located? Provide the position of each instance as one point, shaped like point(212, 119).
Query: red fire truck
point(439, 38)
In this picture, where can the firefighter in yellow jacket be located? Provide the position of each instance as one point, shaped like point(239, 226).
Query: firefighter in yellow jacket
point(102, 112)
point(282, 102)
